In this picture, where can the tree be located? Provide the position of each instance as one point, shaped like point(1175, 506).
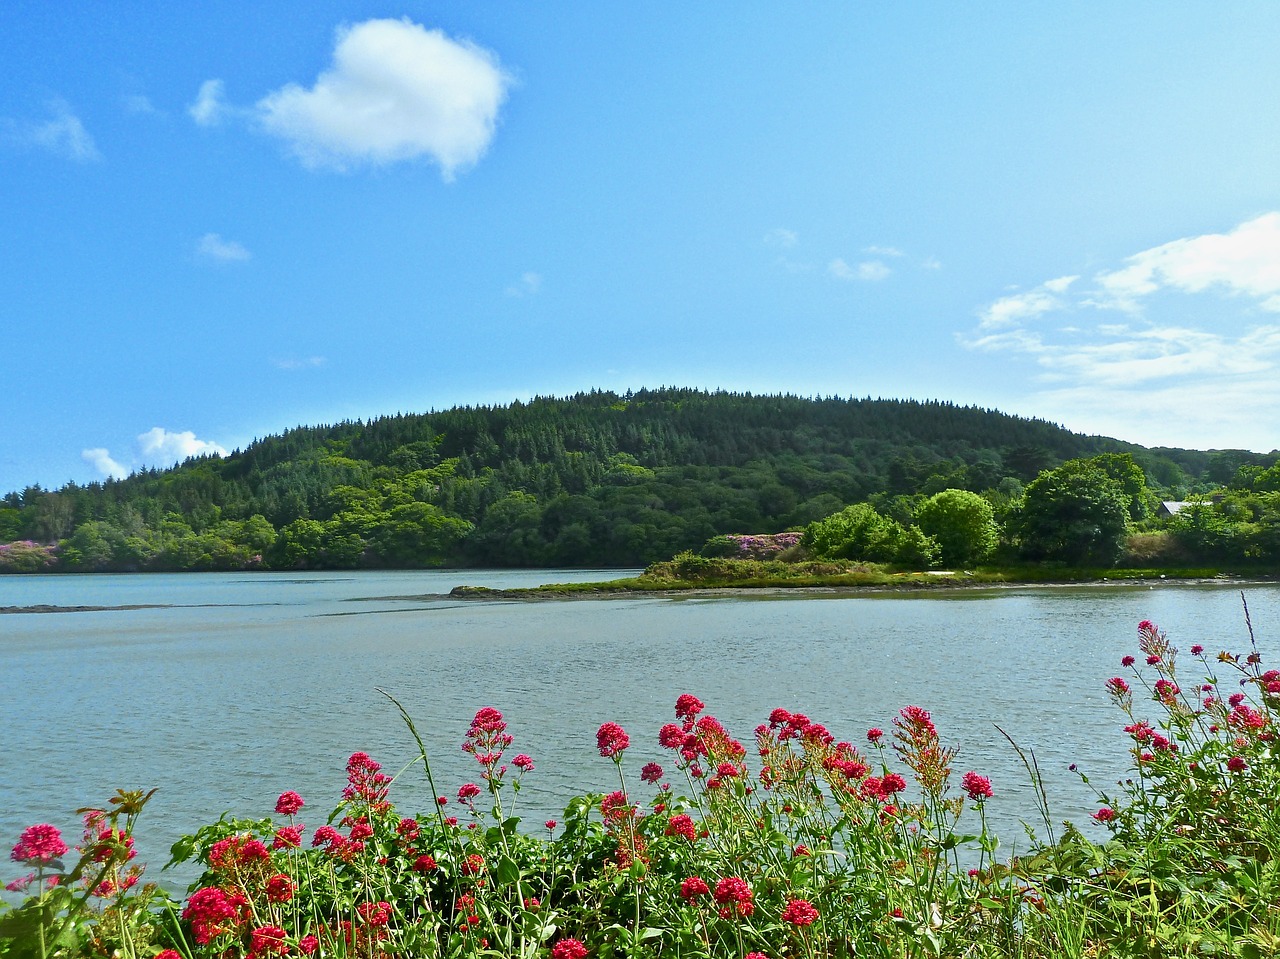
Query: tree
point(858, 532)
point(1076, 514)
point(963, 524)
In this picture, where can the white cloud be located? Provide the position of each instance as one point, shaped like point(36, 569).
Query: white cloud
point(1111, 354)
point(395, 91)
point(1244, 262)
point(100, 459)
point(1009, 310)
point(163, 448)
point(785, 239)
point(931, 263)
point(212, 246)
point(62, 134)
point(301, 363)
point(209, 108)
point(869, 270)
point(139, 104)
point(882, 251)
point(529, 285)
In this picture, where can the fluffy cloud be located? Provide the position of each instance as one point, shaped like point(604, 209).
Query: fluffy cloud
point(395, 91)
point(212, 246)
point(209, 108)
point(156, 447)
point(62, 134)
point(100, 459)
point(161, 448)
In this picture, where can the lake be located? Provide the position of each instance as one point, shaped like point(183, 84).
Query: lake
point(251, 684)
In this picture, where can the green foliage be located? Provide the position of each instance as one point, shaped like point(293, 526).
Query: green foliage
point(962, 523)
point(858, 532)
point(1076, 514)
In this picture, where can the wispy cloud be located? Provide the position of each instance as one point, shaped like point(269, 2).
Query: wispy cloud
point(395, 91)
point(1108, 345)
point(139, 104)
point(882, 251)
point(301, 363)
point(529, 285)
point(210, 107)
point(782, 238)
point(867, 270)
point(62, 134)
point(213, 247)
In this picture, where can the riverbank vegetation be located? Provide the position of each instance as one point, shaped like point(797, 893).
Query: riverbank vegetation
point(791, 842)
point(607, 480)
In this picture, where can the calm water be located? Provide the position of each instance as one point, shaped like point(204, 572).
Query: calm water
point(250, 685)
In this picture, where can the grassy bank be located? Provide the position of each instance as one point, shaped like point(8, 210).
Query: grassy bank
point(791, 842)
point(690, 572)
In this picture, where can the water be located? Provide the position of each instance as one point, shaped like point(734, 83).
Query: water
point(250, 685)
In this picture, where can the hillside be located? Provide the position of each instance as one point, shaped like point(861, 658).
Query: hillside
point(592, 479)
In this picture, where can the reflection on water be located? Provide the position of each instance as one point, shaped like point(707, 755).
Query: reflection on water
point(251, 685)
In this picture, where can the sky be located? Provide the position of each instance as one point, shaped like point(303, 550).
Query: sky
point(219, 221)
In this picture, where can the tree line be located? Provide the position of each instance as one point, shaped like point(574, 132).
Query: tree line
point(608, 479)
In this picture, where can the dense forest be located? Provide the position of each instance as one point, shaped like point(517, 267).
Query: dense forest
point(602, 479)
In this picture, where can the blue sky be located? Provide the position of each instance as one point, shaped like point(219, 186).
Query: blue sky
point(218, 221)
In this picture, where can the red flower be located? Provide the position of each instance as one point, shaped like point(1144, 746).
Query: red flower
point(288, 837)
point(734, 894)
point(799, 912)
point(267, 940)
point(611, 739)
point(671, 736)
point(39, 845)
point(375, 913)
point(468, 791)
point(1127, 661)
point(289, 803)
point(651, 773)
point(551, 824)
point(1197, 649)
point(978, 787)
point(568, 949)
point(279, 888)
point(424, 863)
point(681, 825)
point(523, 763)
point(1117, 686)
point(472, 865)
point(1105, 814)
point(306, 945)
point(1236, 764)
point(688, 706)
point(692, 888)
point(892, 783)
point(874, 734)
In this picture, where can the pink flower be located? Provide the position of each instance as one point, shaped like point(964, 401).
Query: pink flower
point(569, 949)
point(1117, 686)
point(550, 824)
point(611, 739)
point(874, 734)
point(651, 773)
point(1127, 661)
point(289, 803)
point(523, 763)
point(799, 912)
point(671, 736)
point(1197, 650)
point(734, 892)
point(375, 913)
point(1105, 814)
point(978, 787)
point(468, 792)
point(39, 845)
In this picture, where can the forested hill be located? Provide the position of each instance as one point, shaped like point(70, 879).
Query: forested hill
point(593, 479)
